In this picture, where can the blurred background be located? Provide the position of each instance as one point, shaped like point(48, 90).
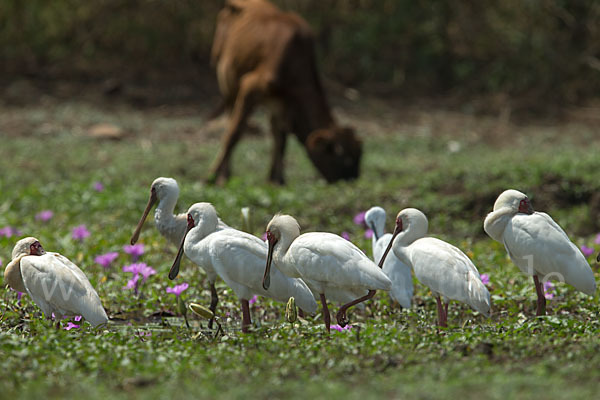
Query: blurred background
point(517, 56)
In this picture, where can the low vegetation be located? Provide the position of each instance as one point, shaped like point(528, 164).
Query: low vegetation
point(147, 350)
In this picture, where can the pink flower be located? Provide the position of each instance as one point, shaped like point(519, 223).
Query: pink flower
point(178, 289)
point(140, 269)
point(9, 231)
point(359, 219)
point(135, 251)
point(98, 186)
point(0, 262)
point(369, 233)
point(19, 294)
point(80, 233)
point(77, 318)
point(133, 268)
point(485, 279)
point(345, 235)
point(587, 251)
point(106, 259)
point(597, 241)
point(146, 271)
point(44, 216)
point(137, 269)
point(338, 328)
point(132, 283)
point(548, 288)
point(70, 326)
point(253, 300)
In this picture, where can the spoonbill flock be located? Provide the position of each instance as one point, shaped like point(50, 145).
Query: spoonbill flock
point(173, 226)
point(238, 258)
point(317, 266)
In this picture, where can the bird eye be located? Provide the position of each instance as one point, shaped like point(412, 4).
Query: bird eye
point(190, 220)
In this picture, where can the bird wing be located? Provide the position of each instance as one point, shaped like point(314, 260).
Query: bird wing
point(536, 243)
point(71, 266)
point(448, 271)
point(239, 258)
point(57, 285)
point(326, 257)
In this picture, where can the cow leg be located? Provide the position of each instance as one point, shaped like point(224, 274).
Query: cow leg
point(279, 141)
point(250, 90)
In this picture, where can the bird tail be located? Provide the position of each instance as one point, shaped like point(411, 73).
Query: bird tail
point(304, 297)
point(93, 311)
point(479, 297)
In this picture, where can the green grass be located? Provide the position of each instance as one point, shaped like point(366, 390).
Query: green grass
point(390, 353)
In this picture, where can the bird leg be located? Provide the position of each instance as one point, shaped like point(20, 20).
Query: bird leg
point(246, 322)
point(446, 314)
point(341, 315)
point(541, 298)
point(300, 313)
point(214, 300)
point(326, 315)
point(441, 314)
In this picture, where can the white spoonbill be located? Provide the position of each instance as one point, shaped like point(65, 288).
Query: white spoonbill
point(440, 266)
point(238, 258)
point(54, 283)
point(171, 226)
point(396, 270)
point(537, 245)
point(324, 261)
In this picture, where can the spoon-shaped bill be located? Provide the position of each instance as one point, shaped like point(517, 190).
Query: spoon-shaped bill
point(397, 230)
point(174, 271)
point(138, 228)
point(267, 276)
point(372, 227)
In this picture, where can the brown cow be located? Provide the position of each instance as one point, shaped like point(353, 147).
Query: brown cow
point(265, 55)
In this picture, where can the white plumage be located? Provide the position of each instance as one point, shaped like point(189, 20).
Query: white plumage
point(172, 226)
point(537, 244)
point(329, 264)
point(440, 266)
point(396, 270)
point(238, 258)
point(54, 283)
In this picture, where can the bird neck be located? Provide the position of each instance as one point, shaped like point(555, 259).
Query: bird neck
point(199, 232)
point(164, 217)
point(412, 233)
point(405, 239)
point(496, 221)
point(12, 274)
point(378, 230)
point(280, 252)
